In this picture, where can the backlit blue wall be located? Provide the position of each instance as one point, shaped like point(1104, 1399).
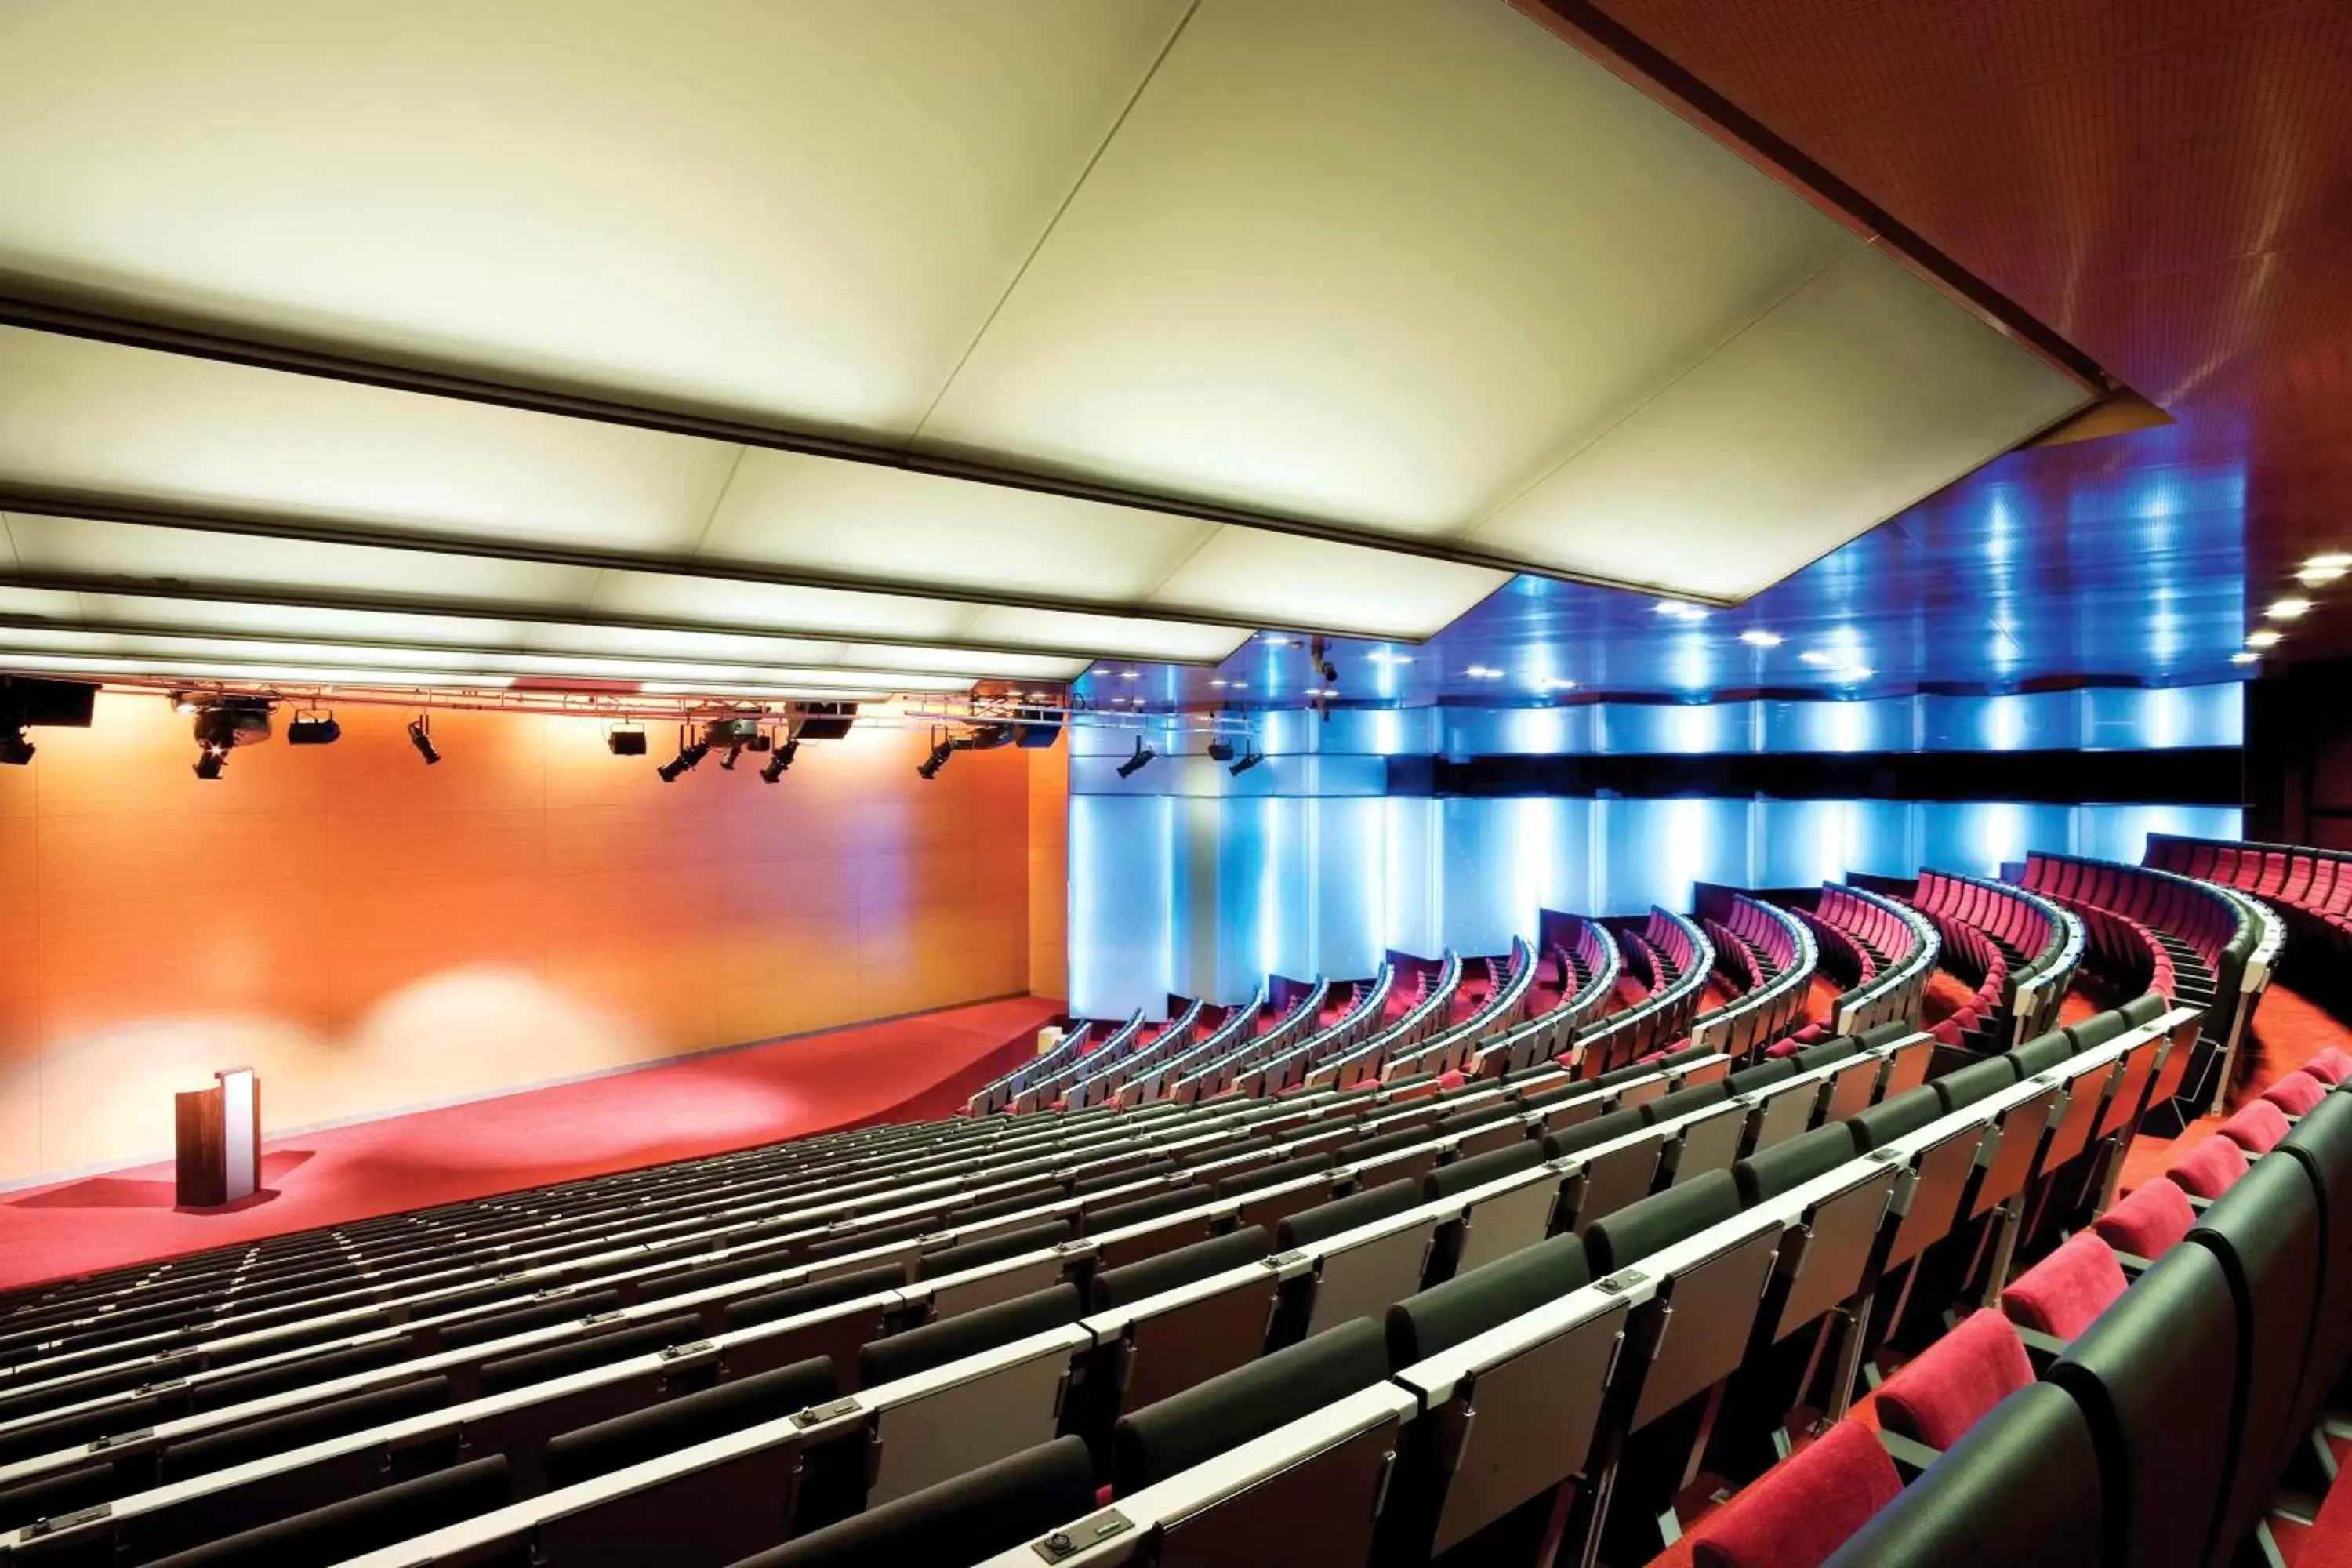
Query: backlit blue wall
point(1186, 879)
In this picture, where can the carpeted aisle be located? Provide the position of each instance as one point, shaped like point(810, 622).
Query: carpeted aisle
point(905, 1069)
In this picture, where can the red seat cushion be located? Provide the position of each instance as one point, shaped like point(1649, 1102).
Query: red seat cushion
point(1940, 1396)
point(1451, 1079)
point(1779, 1048)
point(2066, 1291)
point(2296, 1093)
point(2149, 1221)
point(2330, 1066)
point(2210, 1168)
point(1795, 1516)
point(2257, 1129)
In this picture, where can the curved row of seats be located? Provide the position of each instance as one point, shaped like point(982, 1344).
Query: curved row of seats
point(1308, 1014)
point(1977, 1024)
point(2137, 1398)
point(1769, 958)
point(1366, 1063)
point(1890, 951)
point(1590, 965)
point(2150, 928)
point(2041, 943)
point(1075, 1042)
point(2312, 886)
point(1457, 1048)
point(1672, 957)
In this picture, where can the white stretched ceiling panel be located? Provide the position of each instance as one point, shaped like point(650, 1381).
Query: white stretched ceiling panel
point(803, 209)
point(1373, 260)
point(1405, 269)
point(81, 416)
point(1859, 394)
point(133, 551)
point(867, 521)
point(1285, 579)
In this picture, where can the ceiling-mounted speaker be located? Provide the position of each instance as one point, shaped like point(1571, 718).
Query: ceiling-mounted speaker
point(825, 721)
point(65, 704)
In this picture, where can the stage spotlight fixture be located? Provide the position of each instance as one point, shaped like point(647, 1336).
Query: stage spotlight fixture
point(1248, 763)
point(420, 735)
point(1221, 751)
point(690, 757)
point(1134, 764)
point(14, 750)
point(726, 763)
point(314, 729)
point(625, 741)
point(222, 725)
point(777, 761)
point(941, 751)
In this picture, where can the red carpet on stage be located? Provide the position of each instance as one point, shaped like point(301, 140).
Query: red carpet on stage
point(907, 1069)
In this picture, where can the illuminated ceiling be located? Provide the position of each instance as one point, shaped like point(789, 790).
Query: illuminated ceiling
point(845, 345)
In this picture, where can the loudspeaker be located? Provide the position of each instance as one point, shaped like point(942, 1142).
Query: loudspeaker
point(825, 721)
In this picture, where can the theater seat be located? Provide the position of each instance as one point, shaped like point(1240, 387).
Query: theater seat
point(2209, 1169)
point(360, 1524)
point(1152, 1276)
point(1796, 1514)
point(1956, 1382)
point(952, 1338)
point(2296, 1094)
point(2020, 1489)
point(1230, 1409)
point(689, 1419)
point(2330, 1066)
point(1326, 1220)
point(978, 1514)
point(1802, 1159)
point(2065, 1292)
point(1472, 1302)
point(2146, 1224)
point(1633, 1232)
point(2257, 1128)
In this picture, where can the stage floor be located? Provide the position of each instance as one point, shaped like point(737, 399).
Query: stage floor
point(907, 1068)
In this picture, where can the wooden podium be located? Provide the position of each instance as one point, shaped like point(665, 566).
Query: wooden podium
point(219, 1140)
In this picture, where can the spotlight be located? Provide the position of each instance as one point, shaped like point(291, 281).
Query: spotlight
point(779, 760)
point(2241, 657)
point(726, 763)
point(1756, 637)
point(1247, 763)
point(941, 751)
point(14, 750)
point(690, 757)
point(224, 724)
point(2262, 638)
point(1221, 751)
point(2287, 609)
point(420, 735)
point(1134, 764)
point(313, 729)
point(625, 741)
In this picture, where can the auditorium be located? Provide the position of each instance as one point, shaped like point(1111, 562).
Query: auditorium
point(1175, 783)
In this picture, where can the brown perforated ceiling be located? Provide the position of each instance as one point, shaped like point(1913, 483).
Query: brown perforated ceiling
point(2168, 186)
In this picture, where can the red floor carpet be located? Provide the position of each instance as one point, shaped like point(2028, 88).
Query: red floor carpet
point(908, 1069)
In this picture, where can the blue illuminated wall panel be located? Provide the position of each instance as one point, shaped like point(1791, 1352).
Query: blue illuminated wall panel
point(1187, 879)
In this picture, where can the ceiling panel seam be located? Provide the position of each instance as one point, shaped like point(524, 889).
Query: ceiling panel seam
point(915, 435)
point(1845, 248)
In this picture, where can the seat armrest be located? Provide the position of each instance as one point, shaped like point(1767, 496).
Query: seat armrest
point(1910, 1457)
point(2042, 1350)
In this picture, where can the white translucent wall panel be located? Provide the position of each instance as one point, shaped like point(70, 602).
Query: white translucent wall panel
point(2016, 721)
point(1347, 842)
point(2164, 717)
point(1413, 853)
point(1800, 843)
point(1656, 850)
point(1122, 872)
point(1886, 837)
point(2120, 832)
point(1980, 837)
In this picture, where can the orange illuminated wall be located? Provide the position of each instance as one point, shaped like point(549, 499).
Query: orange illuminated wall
point(1049, 873)
point(372, 933)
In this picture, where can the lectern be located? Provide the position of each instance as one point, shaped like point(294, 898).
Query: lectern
point(219, 1140)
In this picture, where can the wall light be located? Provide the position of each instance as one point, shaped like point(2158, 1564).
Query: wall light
point(2243, 657)
point(2266, 638)
point(2324, 568)
point(1756, 637)
point(2287, 609)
